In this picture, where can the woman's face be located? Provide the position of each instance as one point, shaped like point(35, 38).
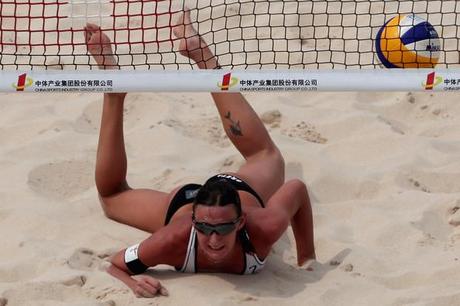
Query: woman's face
point(209, 221)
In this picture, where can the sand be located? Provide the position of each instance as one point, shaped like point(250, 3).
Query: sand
point(381, 170)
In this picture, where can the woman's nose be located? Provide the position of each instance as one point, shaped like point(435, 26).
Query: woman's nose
point(214, 237)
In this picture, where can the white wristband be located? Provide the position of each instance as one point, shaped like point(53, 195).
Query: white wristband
point(131, 253)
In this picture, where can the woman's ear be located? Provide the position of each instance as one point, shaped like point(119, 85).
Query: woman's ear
point(242, 222)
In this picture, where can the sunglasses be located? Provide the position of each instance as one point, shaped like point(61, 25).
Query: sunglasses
point(219, 229)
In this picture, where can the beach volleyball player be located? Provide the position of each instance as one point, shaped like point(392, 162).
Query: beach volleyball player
point(229, 223)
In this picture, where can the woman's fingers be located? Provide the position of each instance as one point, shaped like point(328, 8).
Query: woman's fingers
point(149, 287)
point(92, 27)
point(142, 293)
point(164, 291)
point(90, 30)
point(157, 285)
point(87, 34)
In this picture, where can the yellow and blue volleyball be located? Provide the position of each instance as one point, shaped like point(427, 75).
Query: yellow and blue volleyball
point(408, 41)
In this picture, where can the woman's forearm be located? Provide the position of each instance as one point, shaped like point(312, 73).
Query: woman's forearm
point(121, 275)
point(141, 285)
point(302, 226)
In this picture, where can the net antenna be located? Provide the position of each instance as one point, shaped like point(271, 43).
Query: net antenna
point(252, 45)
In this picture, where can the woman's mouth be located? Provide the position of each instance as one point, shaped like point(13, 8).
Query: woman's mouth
point(216, 248)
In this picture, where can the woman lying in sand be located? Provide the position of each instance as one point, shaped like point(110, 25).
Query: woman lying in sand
point(230, 223)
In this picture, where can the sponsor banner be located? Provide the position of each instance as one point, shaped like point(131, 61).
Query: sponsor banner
point(61, 84)
point(268, 83)
point(446, 82)
point(362, 80)
point(231, 81)
point(23, 82)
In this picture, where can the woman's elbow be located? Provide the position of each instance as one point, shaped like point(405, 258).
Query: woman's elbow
point(297, 186)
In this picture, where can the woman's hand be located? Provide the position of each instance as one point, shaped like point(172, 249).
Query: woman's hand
point(141, 285)
point(147, 287)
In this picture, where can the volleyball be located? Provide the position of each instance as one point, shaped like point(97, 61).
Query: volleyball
point(408, 41)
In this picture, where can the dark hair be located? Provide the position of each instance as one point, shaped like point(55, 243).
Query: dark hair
point(218, 193)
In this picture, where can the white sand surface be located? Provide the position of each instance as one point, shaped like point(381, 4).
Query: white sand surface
point(382, 170)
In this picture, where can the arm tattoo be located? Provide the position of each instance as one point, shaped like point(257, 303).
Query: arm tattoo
point(235, 127)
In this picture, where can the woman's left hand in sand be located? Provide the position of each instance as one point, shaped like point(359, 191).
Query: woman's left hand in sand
point(147, 287)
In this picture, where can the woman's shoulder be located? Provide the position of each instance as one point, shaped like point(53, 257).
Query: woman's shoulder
point(257, 235)
point(177, 233)
point(172, 240)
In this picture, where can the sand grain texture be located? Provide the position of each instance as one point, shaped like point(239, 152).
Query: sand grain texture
point(382, 171)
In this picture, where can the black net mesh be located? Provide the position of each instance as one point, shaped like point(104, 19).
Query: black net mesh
point(243, 34)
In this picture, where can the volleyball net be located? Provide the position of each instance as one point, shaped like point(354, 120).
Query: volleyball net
point(261, 45)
